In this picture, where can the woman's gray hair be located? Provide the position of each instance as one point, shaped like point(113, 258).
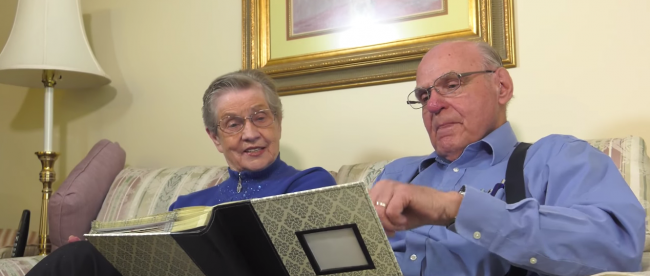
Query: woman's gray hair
point(233, 82)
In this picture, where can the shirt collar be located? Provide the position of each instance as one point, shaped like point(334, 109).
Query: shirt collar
point(264, 173)
point(499, 143)
point(502, 141)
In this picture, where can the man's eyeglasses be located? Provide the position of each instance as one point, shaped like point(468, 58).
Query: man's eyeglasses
point(444, 85)
point(235, 124)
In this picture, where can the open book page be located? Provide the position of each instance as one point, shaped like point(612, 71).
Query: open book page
point(163, 222)
point(149, 222)
point(177, 220)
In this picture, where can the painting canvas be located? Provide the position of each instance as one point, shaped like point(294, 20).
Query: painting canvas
point(309, 17)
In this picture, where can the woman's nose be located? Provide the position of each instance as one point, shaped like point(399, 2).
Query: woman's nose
point(250, 131)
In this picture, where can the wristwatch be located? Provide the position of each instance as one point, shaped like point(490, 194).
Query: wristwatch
point(462, 190)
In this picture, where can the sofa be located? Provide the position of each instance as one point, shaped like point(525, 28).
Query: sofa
point(8, 237)
point(101, 188)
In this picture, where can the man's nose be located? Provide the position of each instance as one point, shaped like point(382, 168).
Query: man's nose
point(436, 103)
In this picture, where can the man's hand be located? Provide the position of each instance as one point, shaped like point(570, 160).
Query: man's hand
point(73, 238)
point(410, 206)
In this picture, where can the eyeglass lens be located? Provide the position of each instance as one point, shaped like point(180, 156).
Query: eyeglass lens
point(234, 124)
point(446, 84)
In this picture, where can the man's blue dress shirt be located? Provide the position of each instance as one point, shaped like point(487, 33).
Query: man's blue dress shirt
point(579, 217)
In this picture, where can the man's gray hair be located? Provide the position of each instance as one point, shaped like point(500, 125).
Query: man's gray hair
point(234, 82)
point(491, 59)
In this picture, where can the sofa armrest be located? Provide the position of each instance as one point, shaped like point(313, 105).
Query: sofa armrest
point(18, 266)
point(30, 250)
point(5, 252)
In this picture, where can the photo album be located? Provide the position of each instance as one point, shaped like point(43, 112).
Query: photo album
point(326, 231)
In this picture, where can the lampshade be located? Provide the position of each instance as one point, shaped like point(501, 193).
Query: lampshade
point(49, 35)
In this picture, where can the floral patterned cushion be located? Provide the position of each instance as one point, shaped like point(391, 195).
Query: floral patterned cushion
point(30, 250)
point(630, 156)
point(7, 237)
point(140, 192)
point(364, 172)
point(18, 266)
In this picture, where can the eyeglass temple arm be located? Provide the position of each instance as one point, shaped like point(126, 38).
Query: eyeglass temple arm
point(475, 72)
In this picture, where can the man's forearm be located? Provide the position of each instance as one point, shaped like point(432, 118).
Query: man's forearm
point(551, 239)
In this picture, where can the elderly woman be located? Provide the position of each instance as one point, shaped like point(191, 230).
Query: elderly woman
point(242, 114)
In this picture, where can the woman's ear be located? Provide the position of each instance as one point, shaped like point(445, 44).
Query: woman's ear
point(215, 139)
point(280, 127)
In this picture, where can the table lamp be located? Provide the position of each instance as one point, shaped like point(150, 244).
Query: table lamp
point(47, 47)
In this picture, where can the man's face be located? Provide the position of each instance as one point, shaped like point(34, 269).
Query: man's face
point(474, 110)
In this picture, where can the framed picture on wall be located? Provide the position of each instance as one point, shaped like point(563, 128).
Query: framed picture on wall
point(310, 46)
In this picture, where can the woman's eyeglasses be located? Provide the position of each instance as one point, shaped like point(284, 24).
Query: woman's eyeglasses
point(233, 124)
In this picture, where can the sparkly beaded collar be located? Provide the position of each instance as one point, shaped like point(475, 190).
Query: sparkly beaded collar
point(264, 173)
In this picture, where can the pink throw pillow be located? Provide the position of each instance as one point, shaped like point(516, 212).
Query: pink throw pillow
point(77, 202)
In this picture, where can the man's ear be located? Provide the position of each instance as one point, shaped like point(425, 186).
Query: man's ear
point(505, 85)
point(215, 140)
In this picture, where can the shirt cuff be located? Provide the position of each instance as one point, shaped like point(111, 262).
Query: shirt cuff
point(479, 217)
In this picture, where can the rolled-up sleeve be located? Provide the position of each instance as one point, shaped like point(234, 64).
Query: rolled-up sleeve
point(580, 217)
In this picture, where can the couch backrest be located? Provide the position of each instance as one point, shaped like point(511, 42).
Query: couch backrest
point(140, 192)
point(630, 156)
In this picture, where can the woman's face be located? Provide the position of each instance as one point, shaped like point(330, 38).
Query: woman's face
point(253, 148)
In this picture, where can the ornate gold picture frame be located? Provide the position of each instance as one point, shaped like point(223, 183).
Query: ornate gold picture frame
point(325, 62)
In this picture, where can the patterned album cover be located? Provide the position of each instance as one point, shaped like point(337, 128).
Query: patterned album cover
point(145, 254)
point(284, 215)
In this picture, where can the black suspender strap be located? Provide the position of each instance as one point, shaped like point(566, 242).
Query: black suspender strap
point(515, 187)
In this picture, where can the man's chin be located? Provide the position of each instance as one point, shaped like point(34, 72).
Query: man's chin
point(445, 142)
point(448, 149)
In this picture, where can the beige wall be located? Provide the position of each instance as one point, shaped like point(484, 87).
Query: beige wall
point(583, 70)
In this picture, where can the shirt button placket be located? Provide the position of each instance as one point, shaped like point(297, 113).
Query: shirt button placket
point(452, 179)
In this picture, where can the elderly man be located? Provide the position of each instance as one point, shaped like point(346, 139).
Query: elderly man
point(446, 213)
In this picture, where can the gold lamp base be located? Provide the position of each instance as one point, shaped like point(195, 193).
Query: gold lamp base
point(47, 177)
